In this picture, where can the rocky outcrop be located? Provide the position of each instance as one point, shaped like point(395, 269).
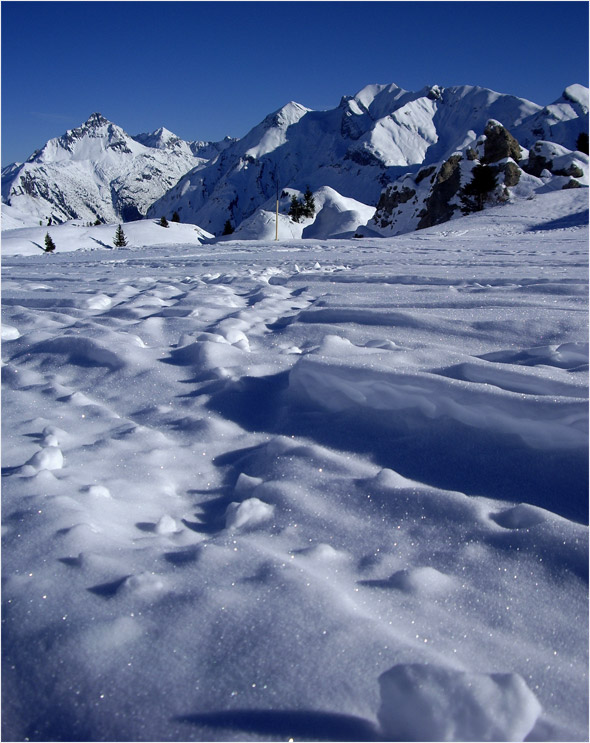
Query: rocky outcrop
point(572, 184)
point(511, 173)
point(491, 171)
point(438, 207)
point(390, 200)
point(499, 144)
point(555, 159)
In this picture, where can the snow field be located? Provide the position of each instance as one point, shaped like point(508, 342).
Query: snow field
point(327, 491)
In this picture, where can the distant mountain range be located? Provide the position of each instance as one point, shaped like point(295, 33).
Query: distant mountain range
point(383, 161)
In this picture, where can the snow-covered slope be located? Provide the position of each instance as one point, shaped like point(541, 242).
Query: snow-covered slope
point(319, 490)
point(368, 141)
point(560, 122)
point(77, 235)
point(98, 171)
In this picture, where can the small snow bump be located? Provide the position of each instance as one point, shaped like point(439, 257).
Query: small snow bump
point(143, 584)
point(166, 525)
point(246, 484)
point(387, 479)
point(98, 491)
point(9, 333)
point(249, 513)
point(98, 302)
point(49, 458)
point(423, 580)
point(522, 516)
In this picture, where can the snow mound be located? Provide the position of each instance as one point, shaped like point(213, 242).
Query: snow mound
point(423, 702)
point(262, 226)
point(49, 458)
point(523, 516)
point(9, 332)
point(250, 513)
point(337, 215)
point(424, 580)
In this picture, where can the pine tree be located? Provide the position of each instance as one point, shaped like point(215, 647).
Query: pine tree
point(120, 240)
point(296, 209)
point(97, 221)
point(228, 229)
point(474, 194)
point(163, 222)
point(582, 142)
point(176, 217)
point(308, 203)
point(49, 244)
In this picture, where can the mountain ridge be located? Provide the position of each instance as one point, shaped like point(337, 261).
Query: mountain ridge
point(357, 149)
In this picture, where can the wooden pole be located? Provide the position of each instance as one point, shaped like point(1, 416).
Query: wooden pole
point(277, 217)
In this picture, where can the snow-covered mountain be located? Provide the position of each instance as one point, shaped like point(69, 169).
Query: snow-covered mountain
point(360, 147)
point(357, 150)
point(99, 171)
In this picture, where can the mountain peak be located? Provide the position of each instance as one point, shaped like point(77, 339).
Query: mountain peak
point(288, 114)
point(577, 93)
point(95, 120)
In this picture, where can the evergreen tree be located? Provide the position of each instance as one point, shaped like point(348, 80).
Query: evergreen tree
point(296, 209)
point(163, 222)
point(49, 244)
point(308, 203)
point(120, 240)
point(228, 229)
point(176, 217)
point(474, 194)
point(582, 143)
point(97, 221)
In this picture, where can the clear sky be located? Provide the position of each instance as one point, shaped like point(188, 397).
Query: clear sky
point(208, 69)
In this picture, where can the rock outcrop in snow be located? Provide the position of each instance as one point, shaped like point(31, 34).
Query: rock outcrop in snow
point(436, 194)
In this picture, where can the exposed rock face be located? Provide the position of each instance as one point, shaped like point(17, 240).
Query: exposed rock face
point(556, 159)
point(537, 162)
point(511, 174)
point(499, 144)
point(438, 208)
point(424, 173)
point(389, 201)
point(572, 184)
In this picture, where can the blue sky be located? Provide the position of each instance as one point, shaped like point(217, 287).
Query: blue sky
point(208, 69)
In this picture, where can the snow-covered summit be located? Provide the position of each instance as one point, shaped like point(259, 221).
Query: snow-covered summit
point(161, 139)
point(97, 171)
point(92, 139)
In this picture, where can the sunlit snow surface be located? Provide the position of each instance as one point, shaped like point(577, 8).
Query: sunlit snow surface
point(310, 490)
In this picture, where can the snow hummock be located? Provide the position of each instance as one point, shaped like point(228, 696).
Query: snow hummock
point(299, 489)
point(426, 702)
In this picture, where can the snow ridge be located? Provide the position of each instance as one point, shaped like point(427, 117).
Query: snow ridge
point(358, 149)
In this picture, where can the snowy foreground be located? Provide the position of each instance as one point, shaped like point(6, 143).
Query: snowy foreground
point(300, 490)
